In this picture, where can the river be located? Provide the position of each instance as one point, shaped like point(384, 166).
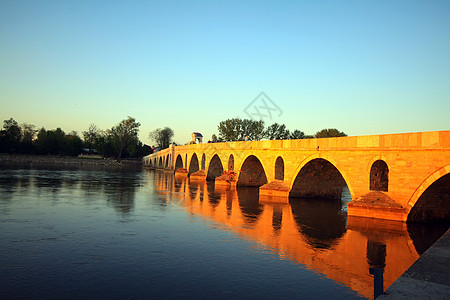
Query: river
point(89, 234)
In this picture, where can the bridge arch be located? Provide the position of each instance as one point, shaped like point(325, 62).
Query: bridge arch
point(193, 165)
point(279, 168)
point(167, 160)
point(215, 168)
point(178, 162)
point(431, 200)
point(160, 163)
point(252, 172)
point(319, 176)
point(185, 161)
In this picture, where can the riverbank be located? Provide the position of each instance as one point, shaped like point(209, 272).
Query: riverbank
point(428, 277)
point(51, 161)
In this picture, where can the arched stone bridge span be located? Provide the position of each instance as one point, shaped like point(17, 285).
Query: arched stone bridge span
point(396, 176)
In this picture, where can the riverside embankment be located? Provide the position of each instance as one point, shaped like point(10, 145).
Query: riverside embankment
point(428, 277)
point(50, 161)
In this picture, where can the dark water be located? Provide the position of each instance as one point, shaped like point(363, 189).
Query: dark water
point(78, 234)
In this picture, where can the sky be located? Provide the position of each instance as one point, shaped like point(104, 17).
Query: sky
point(363, 67)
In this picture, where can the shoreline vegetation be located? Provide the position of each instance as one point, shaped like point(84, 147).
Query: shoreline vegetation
point(121, 141)
point(67, 162)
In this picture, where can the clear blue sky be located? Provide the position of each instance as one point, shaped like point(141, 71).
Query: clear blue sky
point(363, 67)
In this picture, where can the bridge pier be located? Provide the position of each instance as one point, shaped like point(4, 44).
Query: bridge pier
point(200, 175)
point(227, 179)
point(377, 205)
point(181, 172)
point(225, 183)
point(275, 191)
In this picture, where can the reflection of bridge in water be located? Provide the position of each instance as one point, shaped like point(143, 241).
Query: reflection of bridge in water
point(397, 176)
point(313, 233)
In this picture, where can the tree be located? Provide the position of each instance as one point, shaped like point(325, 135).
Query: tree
point(12, 130)
point(162, 137)
point(28, 133)
point(56, 140)
point(28, 136)
point(139, 150)
point(124, 134)
point(237, 129)
point(10, 136)
point(331, 132)
point(297, 134)
point(104, 144)
point(51, 141)
point(41, 142)
point(230, 130)
point(277, 132)
point(253, 129)
point(90, 136)
point(73, 145)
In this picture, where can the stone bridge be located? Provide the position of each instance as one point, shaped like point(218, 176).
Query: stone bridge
point(402, 177)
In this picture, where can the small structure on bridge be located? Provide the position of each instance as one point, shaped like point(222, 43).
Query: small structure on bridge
point(196, 136)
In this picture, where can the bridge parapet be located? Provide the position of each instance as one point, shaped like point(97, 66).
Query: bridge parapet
point(402, 141)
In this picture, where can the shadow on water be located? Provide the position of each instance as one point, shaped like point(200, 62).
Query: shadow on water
point(214, 198)
point(249, 203)
point(277, 219)
point(229, 198)
point(120, 189)
point(13, 181)
point(376, 254)
point(168, 188)
point(193, 188)
point(196, 190)
point(92, 182)
point(424, 235)
point(321, 221)
point(48, 180)
point(179, 185)
point(9, 182)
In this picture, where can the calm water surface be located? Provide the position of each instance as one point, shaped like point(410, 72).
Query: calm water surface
point(76, 234)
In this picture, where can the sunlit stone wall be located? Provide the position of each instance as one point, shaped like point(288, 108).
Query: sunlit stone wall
point(414, 160)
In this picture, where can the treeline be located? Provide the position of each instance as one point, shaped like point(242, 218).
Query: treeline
point(237, 129)
point(121, 141)
point(240, 129)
